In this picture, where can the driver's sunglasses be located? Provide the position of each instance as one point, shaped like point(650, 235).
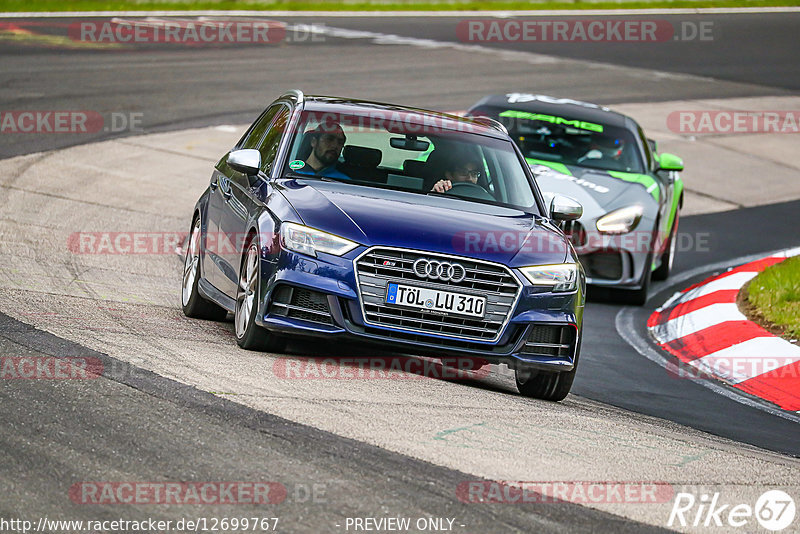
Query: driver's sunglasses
point(472, 174)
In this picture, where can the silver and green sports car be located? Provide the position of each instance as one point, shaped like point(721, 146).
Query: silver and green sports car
point(631, 195)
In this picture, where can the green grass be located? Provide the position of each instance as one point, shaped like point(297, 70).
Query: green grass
point(369, 5)
point(775, 292)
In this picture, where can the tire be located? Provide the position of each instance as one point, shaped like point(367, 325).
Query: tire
point(249, 335)
point(545, 385)
point(667, 259)
point(193, 304)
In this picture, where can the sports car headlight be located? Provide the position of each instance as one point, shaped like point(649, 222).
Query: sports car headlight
point(309, 241)
point(562, 277)
point(620, 221)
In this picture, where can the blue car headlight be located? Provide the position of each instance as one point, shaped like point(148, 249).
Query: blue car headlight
point(561, 277)
point(309, 241)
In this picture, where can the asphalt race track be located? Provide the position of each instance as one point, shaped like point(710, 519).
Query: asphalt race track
point(180, 402)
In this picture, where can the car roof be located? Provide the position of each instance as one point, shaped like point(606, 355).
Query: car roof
point(446, 121)
point(572, 109)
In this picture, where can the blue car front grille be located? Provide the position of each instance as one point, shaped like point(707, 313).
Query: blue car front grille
point(378, 266)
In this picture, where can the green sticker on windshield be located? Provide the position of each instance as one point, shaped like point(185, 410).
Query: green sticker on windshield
point(297, 164)
point(581, 125)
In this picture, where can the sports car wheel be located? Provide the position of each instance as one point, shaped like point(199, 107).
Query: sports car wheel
point(667, 259)
point(192, 303)
point(248, 334)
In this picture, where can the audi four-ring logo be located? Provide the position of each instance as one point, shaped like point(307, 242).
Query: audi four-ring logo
point(439, 270)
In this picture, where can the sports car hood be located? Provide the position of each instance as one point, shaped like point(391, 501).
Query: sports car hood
point(373, 216)
point(598, 191)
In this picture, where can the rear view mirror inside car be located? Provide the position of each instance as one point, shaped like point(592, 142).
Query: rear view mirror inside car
point(409, 143)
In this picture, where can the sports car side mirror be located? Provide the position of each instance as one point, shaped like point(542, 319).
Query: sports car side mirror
point(565, 209)
point(246, 161)
point(669, 162)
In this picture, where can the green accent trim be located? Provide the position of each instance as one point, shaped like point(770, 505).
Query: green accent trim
point(645, 179)
point(581, 125)
point(670, 162)
point(560, 167)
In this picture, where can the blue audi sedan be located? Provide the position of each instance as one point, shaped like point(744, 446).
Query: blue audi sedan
point(416, 230)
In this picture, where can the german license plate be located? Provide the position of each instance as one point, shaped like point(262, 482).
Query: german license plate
point(424, 298)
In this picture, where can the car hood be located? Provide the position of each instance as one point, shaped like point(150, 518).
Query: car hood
point(598, 191)
point(374, 216)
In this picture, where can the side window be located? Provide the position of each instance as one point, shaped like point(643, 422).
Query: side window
point(269, 146)
point(256, 132)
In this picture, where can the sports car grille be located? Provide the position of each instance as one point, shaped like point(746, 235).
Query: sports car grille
point(379, 266)
point(606, 265)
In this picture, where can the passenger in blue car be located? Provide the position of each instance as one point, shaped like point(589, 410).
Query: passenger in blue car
point(327, 141)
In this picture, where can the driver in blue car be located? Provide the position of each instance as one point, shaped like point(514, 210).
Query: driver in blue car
point(327, 141)
point(458, 170)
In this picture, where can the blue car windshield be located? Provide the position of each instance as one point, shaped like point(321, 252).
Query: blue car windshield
point(402, 151)
point(571, 141)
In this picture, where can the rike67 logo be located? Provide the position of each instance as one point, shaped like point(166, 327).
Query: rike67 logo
point(774, 510)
